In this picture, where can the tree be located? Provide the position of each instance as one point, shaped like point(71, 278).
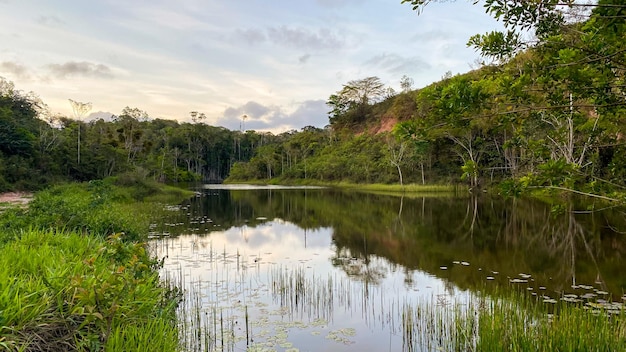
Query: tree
point(364, 91)
point(396, 155)
point(561, 99)
point(413, 133)
point(130, 132)
point(406, 83)
point(80, 110)
point(352, 103)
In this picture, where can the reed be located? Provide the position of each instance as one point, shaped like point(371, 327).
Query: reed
point(241, 307)
point(520, 322)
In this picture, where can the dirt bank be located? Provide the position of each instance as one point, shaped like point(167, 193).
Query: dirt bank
point(19, 198)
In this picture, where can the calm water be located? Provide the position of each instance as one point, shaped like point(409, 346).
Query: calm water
point(292, 269)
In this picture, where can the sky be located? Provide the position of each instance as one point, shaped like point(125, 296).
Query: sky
point(275, 61)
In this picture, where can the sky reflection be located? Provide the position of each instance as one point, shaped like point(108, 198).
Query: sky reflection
point(238, 269)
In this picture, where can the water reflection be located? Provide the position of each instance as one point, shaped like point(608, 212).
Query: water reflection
point(242, 267)
point(380, 252)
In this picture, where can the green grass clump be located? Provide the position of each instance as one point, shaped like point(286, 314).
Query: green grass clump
point(98, 208)
point(528, 325)
point(516, 322)
point(65, 291)
point(75, 274)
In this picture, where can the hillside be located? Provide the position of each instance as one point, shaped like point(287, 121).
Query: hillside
point(548, 114)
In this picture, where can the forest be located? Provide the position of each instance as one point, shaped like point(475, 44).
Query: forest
point(546, 109)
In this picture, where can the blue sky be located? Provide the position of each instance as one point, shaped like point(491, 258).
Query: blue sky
point(276, 61)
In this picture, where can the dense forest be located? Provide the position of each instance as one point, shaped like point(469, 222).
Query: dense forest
point(37, 148)
point(546, 109)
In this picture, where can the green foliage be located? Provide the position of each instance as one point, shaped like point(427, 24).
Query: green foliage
point(98, 208)
point(66, 291)
point(38, 149)
point(501, 46)
point(521, 323)
point(351, 106)
point(559, 99)
point(470, 170)
point(17, 124)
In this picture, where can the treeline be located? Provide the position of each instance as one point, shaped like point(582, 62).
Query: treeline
point(549, 111)
point(545, 112)
point(37, 149)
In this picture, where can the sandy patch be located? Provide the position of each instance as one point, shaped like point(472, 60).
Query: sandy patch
point(18, 198)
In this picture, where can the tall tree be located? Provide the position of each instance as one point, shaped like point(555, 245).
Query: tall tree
point(80, 110)
point(352, 104)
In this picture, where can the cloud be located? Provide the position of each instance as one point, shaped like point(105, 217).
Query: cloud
point(251, 36)
point(17, 69)
point(105, 115)
point(304, 58)
point(250, 108)
point(293, 37)
point(339, 3)
point(310, 113)
point(397, 64)
point(263, 118)
point(432, 36)
point(87, 69)
point(51, 21)
point(303, 38)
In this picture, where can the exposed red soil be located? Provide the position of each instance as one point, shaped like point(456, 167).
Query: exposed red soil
point(386, 125)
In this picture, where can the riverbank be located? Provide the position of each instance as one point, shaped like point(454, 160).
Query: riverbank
point(75, 273)
point(371, 187)
point(15, 198)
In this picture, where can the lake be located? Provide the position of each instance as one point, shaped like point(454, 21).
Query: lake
point(316, 269)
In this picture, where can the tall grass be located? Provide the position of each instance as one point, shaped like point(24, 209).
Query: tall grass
point(76, 276)
point(66, 291)
point(519, 322)
point(97, 208)
point(396, 188)
point(513, 321)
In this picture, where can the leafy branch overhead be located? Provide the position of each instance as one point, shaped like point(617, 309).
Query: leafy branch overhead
point(537, 19)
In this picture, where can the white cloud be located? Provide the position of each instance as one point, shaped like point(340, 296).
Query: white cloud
point(16, 69)
point(83, 68)
point(275, 118)
point(52, 21)
point(398, 65)
point(221, 57)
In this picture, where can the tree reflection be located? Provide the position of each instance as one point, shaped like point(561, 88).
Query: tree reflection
point(509, 236)
point(359, 266)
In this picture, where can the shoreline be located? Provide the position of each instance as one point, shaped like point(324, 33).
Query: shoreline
point(19, 198)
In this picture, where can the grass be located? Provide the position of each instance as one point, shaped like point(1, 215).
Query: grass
point(98, 208)
point(434, 189)
point(514, 321)
point(67, 291)
point(519, 322)
point(75, 274)
point(396, 188)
